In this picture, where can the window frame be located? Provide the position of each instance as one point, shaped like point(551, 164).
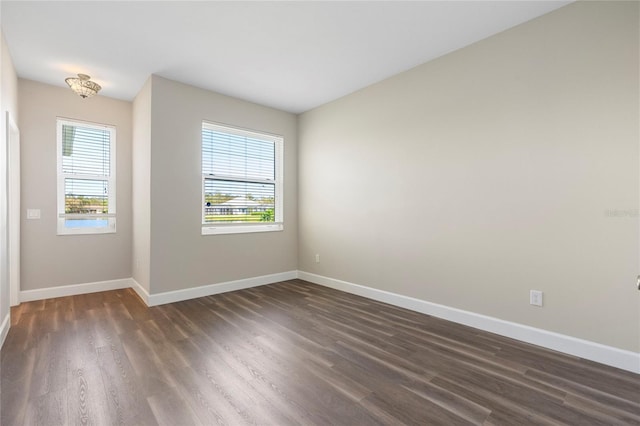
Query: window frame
point(212, 228)
point(61, 176)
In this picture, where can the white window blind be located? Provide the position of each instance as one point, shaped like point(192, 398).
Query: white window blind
point(241, 180)
point(86, 178)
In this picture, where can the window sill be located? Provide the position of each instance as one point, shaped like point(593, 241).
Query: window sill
point(86, 231)
point(211, 229)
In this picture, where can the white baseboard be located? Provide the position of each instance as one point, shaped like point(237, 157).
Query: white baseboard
point(141, 291)
point(4, 328)
point(608, 355)
point(208, 290)
point(597, 352)
point(73, 289)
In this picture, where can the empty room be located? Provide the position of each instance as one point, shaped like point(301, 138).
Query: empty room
point(320, 212)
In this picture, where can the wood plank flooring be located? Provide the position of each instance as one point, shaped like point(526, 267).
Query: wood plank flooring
point(290, 353)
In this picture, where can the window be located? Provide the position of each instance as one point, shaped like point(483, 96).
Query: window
point(241, 181)
point(86, 178)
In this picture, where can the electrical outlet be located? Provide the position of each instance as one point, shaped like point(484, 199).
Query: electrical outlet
point(317, 258)
point(33, 213)
point(535, 297)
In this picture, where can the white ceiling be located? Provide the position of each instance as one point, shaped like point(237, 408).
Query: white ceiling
point(289, 55)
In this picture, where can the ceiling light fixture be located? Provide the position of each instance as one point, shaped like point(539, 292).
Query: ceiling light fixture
point(83, 86)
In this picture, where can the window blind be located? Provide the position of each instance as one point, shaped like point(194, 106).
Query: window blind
point(85, 150)
point(239, 176)
point(230, 155)
point(86, 154)
point(86, 181)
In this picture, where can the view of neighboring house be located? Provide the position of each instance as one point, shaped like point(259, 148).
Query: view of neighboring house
point(237, 206)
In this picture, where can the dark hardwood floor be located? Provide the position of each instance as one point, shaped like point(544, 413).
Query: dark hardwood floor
point(287, 353)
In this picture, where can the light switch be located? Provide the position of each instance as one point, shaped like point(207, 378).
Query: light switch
point(33, 213)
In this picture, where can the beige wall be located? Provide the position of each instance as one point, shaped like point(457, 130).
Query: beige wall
point(8, 102)
point(141, 186)
point(506, 166)
point(180, 256)
point(49, 260)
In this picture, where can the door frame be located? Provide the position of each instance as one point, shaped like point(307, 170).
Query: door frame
point(13, 208)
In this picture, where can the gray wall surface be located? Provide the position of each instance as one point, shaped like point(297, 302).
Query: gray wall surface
point(505, 166)
point(180, 256)
point(50, 260)
point(141, 186)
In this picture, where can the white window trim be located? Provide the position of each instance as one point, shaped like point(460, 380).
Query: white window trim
point(243, 228)
point(111, 180)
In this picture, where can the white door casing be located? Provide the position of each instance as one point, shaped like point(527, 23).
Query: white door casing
point(13, 208)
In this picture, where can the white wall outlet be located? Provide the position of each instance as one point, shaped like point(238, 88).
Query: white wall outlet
point(535, 297)
point(317, 258)
point(33, 213)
